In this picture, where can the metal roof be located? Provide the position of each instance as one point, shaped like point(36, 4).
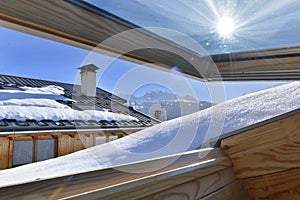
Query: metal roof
point(103, 100)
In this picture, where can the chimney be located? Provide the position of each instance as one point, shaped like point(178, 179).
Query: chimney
point(88, 80)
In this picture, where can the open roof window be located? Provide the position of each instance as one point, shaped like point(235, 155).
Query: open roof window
point(218, 26)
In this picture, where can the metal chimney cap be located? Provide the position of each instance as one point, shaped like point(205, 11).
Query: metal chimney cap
point(89, 67)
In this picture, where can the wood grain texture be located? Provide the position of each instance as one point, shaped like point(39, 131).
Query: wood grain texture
point(65, 145)
point(268, 160)
point(6, 148)
point(10, 153)
point(4, 153)
point(64, 22)
point(274, 133)
point(153, 184)
point(270, 64)
point(235, 191)
point(267, 149)
point(278, 186)
point(198, 187)
point(110, 182)
point(256, 54)
point(66, 142)
point(71, 143)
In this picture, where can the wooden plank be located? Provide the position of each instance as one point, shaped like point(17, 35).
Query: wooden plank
point(59, 149)
point(65, 145)
point(79, 142)
point(235, 191)
point(22, 137)
point(106, 182)
point(266, 161)
point(4, 153)
point(278, 186)
point(267, 64)
point(196, 188)
point(139, 189)
point(72, 23)
point(86, 139)
point(267, 149)
point(256, 54)
point(277, 132)
point(59, 18)
point(10, 153)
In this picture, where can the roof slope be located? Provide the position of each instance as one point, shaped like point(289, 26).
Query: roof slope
point(171, 137)
point(32, 104)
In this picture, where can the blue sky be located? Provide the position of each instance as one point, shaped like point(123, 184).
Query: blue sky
point(30, 56)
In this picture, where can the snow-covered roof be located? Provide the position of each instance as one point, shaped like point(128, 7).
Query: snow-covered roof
point(171, 137)
point(42, 100)
point(40, 104)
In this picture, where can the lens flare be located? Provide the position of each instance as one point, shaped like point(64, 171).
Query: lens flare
point(225, 27)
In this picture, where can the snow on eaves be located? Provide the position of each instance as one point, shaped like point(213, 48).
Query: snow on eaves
point(40, 104)
point(47, 113)
point(46, 92)
point(174, 136)
point(33, 102)
point(49, 89)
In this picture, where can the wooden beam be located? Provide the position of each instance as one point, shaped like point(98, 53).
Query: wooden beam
point(234, 191)
point(256, 54)
point(278, 186)
point(260, 65)
point(4, 153)
point(109, 182)
point(148, 186)
point(197, 188)
point(68, 22)
point(266, 64)
point(265, 149)
point(10, 153)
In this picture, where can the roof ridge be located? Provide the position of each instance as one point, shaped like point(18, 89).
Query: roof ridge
point(36, 79)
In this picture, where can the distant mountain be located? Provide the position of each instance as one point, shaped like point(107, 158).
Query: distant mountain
point(167, 104)
point(154, 96)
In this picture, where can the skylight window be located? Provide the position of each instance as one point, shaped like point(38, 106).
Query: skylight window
point(218, 26)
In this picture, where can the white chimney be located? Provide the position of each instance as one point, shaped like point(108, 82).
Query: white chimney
point(88, 80)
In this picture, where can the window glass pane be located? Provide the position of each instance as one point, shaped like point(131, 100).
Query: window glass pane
point(112, 138)
point(100, 140)
point(157, 114)
point(22, 152)
point(46, 149)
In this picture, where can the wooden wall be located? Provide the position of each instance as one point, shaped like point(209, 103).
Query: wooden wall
point(66, 143)
point(74, 142)
point(267, 158)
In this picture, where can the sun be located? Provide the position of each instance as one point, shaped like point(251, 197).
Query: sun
point(225, 27)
